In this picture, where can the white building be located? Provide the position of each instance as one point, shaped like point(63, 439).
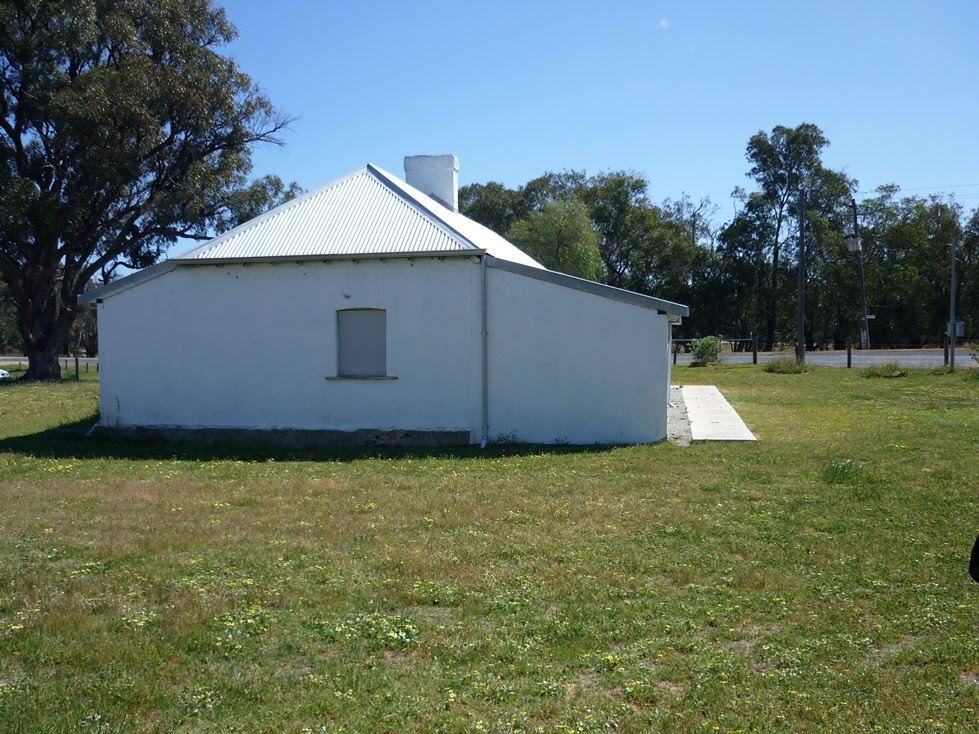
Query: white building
point(370, 311)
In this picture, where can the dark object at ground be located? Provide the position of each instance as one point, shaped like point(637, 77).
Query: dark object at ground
point(974, 562)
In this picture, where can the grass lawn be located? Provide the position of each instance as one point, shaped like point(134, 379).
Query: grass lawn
point(815, 580)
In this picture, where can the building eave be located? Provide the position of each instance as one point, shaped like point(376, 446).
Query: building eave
point(350, 257)
point(154, 271)
point(124, 284)
point(589, 286)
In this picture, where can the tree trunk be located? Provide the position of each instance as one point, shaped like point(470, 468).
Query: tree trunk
point(43, 365)
point(756, 301)
point(44, 329)
point(772, 315)
point(771, 306)
point(770, 326)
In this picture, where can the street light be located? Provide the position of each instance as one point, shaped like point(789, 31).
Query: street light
point(854, 244)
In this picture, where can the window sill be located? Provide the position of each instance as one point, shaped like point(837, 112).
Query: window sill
point(362, 378)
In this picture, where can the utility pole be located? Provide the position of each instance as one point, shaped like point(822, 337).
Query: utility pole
point(800, 343)
point(951, 316)
point(855, 245)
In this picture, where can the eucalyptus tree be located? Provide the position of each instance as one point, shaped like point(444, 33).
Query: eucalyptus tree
point(643, 247)
point(495, 206)
point(122, 129)
point(907, 247)
point(832, 303)
point(783, 163)
point(968, 256)
point(9, 338)
point(561, 237)
point(491, 204)
point(743, 267)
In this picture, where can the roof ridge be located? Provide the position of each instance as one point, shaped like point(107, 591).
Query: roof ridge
point(367, 211)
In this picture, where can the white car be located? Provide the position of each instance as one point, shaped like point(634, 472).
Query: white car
point(4, 375)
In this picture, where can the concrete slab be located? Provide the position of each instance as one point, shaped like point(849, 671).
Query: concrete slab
point(711, 416)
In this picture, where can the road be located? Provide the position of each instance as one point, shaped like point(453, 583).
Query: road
point(927, 358)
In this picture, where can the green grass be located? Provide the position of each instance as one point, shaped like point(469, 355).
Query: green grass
point(785, 366)
point(813, 581)
point(886, 370)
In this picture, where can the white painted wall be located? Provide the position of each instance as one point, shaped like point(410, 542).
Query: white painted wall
point(569, 366)
point(251, 346)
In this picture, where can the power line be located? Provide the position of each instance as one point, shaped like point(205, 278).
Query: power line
point(949, 186)
point(924, 188)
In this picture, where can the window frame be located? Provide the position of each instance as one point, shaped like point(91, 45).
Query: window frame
point(372, 346)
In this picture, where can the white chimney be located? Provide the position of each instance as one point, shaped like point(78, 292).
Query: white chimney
point(435, 175)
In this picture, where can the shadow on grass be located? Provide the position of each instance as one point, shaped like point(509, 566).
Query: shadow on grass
point(71, 440)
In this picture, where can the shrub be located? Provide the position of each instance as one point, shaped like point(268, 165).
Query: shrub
point(785, 366)
point(891, 369)
point(975, 352)
point(706, 350)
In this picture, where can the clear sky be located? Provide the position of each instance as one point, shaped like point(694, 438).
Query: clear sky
point(671, 90)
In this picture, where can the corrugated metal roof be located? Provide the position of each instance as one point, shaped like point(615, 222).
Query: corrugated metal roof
point(366, 212)
point(482, 237)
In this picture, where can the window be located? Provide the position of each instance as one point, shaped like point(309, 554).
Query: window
point(362, 342)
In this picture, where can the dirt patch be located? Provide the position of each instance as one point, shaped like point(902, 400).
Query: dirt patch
point(433, 615)
point(669, 687)
point(585, 682)
point(969, 677)
point(889, 650)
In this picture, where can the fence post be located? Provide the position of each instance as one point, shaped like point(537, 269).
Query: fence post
point(77, 377)
point(754, 350)
point(945, 344)
point(849, 353)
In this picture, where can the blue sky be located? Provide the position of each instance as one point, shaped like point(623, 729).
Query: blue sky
point(671, 90)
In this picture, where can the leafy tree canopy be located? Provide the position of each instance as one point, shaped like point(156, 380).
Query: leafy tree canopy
point(122, 129)
point(560, 236)
point(739, 277)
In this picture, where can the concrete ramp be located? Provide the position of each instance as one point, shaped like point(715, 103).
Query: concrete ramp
point(711, 416)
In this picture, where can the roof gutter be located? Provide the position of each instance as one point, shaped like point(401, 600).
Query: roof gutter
point(155, 271)
point(124, 284)
point(428, 254)
point(672, 310)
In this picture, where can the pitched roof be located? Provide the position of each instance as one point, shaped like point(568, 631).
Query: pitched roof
point(369, 213)
point(365, 212)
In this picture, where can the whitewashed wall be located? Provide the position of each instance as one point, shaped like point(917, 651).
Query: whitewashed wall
point(568, 366)
point(251, 346)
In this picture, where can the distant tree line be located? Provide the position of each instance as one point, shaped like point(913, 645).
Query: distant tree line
point(739, 276)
